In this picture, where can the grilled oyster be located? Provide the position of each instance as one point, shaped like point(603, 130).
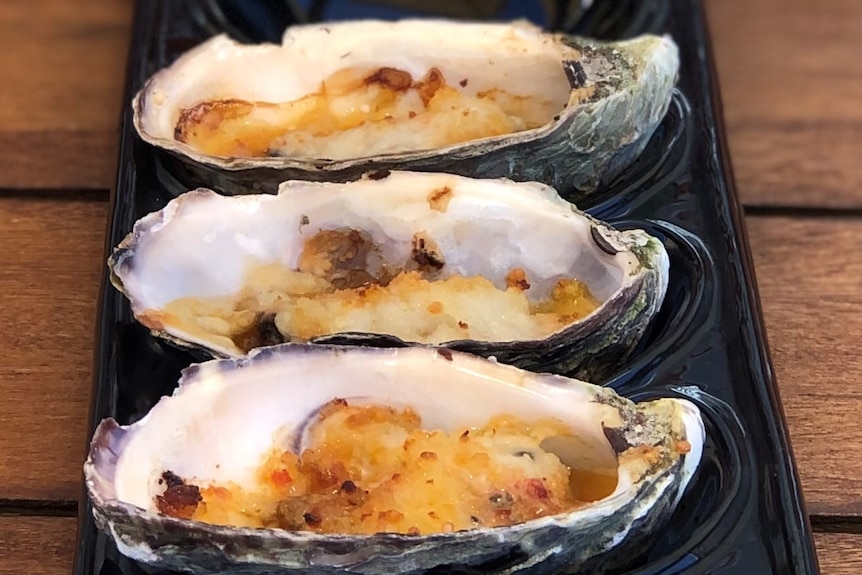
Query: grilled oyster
point(209, 440)
point(482, 100)
point(491, 267)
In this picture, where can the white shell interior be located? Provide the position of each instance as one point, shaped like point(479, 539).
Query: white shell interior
point(202, 243)
point(220, 427)
point(517, 57)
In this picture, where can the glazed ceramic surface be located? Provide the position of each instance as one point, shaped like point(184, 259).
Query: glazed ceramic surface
point(744, 511)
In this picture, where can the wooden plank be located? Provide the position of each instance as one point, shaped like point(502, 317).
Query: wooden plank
point(49, 281)
point(809, 274)
point(839, 553)
point(37, 545)
point(59, 160)
point(45, 546)
point(62, 65)
point(791, 76)
point(50, 267)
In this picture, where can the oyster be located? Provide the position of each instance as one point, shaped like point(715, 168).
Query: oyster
point(483, 100)
point(491, 267)
point(226, 416)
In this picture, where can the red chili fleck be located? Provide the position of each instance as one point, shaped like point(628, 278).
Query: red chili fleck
point(536, 489)
point(280, 477)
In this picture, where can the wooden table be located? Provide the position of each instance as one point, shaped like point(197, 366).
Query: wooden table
point(791, 73)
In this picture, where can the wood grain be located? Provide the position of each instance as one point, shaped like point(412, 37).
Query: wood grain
point(37, 545)
point(50, 266)
point(64, 62)
point(839, 553)
point(809, 273)
point(46, 380)
point(791, 79)
point(45, 546)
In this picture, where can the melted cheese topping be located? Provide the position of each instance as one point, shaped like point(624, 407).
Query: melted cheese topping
point(340, 287)
point(371, 469)
point(357, 113)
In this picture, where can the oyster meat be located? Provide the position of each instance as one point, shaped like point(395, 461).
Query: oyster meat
point(491, 267)
point(478, 99)
point(162, 488)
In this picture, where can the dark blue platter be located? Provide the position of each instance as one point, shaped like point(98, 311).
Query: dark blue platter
point(743, 513)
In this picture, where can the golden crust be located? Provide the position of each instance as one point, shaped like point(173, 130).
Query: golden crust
point(367, 103)
point(370, 469)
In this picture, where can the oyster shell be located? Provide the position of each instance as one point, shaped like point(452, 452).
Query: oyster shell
point(523, 104)
point(226, 414)
point(188, 269)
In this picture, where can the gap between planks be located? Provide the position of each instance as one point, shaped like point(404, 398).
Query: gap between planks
point(103, 195)
point(38, 508)
point(69, 508)
point(56, 194)
point(804, 212)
